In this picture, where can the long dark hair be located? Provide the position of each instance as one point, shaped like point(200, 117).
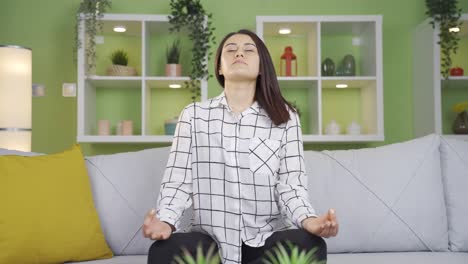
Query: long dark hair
point(267, 91)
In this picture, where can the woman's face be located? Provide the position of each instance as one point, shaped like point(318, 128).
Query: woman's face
point(239, 59)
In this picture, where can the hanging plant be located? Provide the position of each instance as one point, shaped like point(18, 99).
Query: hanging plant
point(446, 15)
point(91, 11)
point(190, 14)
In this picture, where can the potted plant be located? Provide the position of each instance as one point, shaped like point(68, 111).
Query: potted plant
point(119, 66)
point(190, 14)
point(460, 125)
point(173, 68)
point(446, 15)
point(91, 12)
point(211, 257)
point(281, 255)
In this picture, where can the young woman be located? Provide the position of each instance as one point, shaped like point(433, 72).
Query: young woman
point(238, 160)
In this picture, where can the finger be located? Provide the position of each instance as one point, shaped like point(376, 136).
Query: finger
point(328, 229)
point(149, 216)
point(155, 236)
point(324, 233)
point(146, 232)
point(335, 229)
point(165, 236)
point(332, 215)
point(325, 230)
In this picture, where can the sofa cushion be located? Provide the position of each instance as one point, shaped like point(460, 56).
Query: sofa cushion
point(47, 214)
point(454, 157)
point(125, 188)
point(387, 198)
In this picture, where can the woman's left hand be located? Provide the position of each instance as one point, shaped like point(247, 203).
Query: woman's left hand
point(325, 225)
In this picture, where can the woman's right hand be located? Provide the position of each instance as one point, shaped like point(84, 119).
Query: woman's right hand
point(155, 229)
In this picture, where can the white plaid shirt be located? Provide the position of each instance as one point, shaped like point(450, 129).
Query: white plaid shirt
point(241, 173)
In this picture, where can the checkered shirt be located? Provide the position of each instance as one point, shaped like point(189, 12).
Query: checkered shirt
point(244, 176)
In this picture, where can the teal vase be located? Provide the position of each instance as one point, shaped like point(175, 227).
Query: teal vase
point(348, 65)
point(328, 67)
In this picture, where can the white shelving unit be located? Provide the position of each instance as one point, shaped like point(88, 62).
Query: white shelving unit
point(314, 38)
point(146, 99)
point(433, 95)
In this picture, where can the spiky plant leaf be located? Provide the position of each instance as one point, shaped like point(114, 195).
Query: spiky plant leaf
point(281, 255)
point(211, 256)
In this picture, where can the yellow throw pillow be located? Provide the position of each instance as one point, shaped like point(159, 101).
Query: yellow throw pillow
point(47, 214)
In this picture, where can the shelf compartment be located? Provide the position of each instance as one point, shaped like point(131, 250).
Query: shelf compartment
point(451, 97)
point(348, 37)
point(356, 103)
point(302, 91)
point(110, 41)
point(460, 59)
point(157, 40)
point(114, 104)
point(302, 39)
point(163, 104)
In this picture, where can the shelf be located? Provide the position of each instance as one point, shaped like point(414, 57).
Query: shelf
point(125, 139)
point(115, 81)
point(352, 82)
point(164, 82)
point(142, 99)
point(297, 82)
point(434, 96)
point(314, 38)
point(455, 82)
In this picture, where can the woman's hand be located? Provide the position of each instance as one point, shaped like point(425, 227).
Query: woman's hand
point(154, 228)
point(325, 225)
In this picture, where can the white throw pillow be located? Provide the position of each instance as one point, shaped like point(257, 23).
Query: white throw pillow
point(125, 186)
point(454, 156)
point(388, 198)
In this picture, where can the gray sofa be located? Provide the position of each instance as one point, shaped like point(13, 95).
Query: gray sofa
point(400, 203)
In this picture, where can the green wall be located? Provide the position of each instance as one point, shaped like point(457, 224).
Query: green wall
point(47, 26)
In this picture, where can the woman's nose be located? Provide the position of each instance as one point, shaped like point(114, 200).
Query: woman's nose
point(239, 53)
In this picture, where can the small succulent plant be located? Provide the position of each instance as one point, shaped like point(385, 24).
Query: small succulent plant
point(119, 57)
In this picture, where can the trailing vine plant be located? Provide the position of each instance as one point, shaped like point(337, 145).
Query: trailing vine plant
point(191, 15)
point(446, 15)
point(91, 11)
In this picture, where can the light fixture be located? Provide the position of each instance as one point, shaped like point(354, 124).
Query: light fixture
point(341, 85)
point(454, 29)
point(175, 85)
point(284, 31)
point(15, 97)
point(120, 29)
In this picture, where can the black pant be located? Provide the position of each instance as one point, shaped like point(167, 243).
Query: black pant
point(164, 251)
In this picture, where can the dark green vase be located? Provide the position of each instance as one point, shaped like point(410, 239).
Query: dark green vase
point(328, 67)
point(348, 65)
point(460, 125)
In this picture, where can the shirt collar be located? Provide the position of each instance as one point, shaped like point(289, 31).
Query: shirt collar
point(221, 100)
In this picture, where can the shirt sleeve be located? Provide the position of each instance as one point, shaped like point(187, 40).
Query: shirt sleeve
point(175, 194)
point(291, 188)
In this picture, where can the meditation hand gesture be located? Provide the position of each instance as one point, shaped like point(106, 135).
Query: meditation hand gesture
point(325, 225)
point(154, 228)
